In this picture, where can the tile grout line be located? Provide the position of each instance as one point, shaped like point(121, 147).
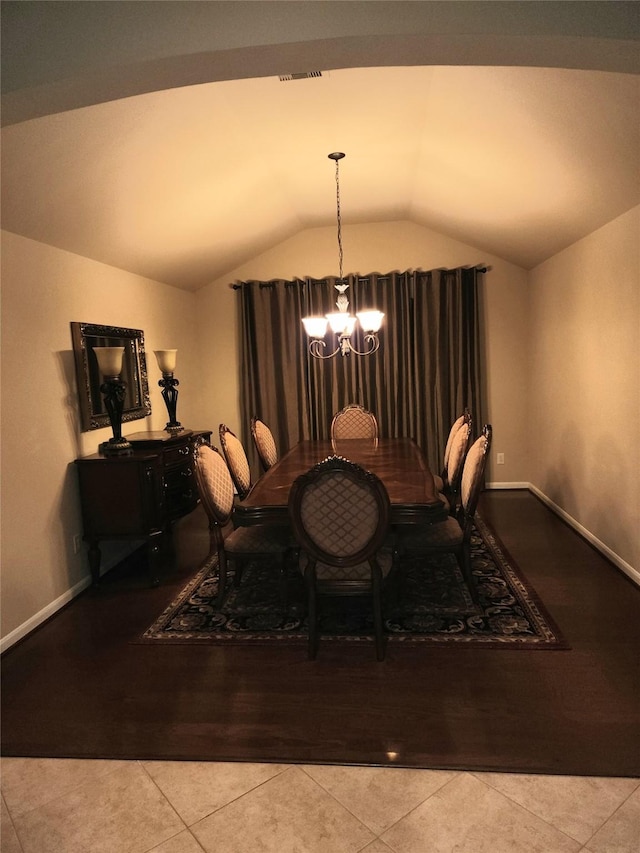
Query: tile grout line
point(549, 823)
point(71, 790)
point(15, 829)
point(341, 804)
point(613, 813)
point(164, 797)
point(219, 808)
point(185, 828)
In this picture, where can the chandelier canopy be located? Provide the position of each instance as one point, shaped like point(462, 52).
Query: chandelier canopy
point(341, 322)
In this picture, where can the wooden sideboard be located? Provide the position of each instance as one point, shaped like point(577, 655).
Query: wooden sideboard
point(138, 496)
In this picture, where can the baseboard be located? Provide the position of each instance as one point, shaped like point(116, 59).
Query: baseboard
point(507, 485)
point(625, 567)
point(38, 618)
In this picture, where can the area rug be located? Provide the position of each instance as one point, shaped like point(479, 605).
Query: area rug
point(429, 603)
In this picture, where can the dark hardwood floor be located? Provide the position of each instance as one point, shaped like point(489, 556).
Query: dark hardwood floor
point(80, 686)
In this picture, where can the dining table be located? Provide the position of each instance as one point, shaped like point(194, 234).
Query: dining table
point(398, 462)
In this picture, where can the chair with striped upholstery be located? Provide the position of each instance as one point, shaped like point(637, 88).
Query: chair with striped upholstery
point(215, 488)
point(237, 461)
point(340, 515)
point(264, 442)
point(454, 534)
point(354, 421)
point(455, 463)
point(441, 479)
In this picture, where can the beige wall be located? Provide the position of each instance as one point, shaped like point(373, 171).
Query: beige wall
point(381, 247)
point(564, 405)
point(43, 289)
point(585, 383)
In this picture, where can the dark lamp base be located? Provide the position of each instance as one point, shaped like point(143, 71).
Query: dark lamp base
point(116, 447)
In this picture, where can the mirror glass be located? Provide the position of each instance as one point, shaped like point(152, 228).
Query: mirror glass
point(137, 403)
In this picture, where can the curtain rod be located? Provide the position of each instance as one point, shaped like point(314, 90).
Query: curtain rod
point(478, 269)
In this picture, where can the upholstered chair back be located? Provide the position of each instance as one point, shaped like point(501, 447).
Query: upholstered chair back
point(340, 513)
point(354, 422)
point(442, 480)
point(457, 454)
point(473, 473)
point(236, 460)
point(452, 434)
point(264, 442)
point(214, 483)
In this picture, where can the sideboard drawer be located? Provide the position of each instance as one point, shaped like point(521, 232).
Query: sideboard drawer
point(177, 455)
point(179, 502)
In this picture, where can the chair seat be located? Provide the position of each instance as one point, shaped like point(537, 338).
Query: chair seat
point(443, 534)
point(359, 572)
point(259, 539)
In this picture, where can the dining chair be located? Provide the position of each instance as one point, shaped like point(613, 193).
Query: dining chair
point(260, 541)
point(354, 421)
point(440, 479)
point(454, 534)
point(340, 515)
point(264, 442)
point(237, 460)
point(458, 449)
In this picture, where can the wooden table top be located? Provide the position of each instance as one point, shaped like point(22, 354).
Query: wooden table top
point(398, 462)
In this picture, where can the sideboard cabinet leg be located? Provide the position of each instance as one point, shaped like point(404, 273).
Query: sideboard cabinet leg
point(154, 557)
point(95, 558)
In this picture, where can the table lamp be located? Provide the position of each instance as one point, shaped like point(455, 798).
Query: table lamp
point(166, 359)
point(113, 388)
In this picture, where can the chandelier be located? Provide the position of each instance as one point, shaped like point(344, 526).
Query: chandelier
point(342, 323)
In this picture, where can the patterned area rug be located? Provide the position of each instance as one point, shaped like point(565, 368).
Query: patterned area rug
point(430, 603)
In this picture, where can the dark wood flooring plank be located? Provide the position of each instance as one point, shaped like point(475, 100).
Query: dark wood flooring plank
point(80, 687)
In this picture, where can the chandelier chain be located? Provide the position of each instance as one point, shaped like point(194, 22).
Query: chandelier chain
point(339, 217)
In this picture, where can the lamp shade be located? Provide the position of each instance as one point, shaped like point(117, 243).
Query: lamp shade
point(109, 360)
point(341, 322)
point(315, 327)
point(370, 320)
point(166, 359)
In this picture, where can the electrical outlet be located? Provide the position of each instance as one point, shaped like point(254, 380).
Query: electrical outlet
point(77, 542)
point(500, 458)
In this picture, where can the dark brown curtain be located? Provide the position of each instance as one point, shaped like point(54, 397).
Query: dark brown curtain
point(428, 367)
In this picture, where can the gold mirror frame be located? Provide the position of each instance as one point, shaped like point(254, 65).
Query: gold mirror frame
point(137, 403)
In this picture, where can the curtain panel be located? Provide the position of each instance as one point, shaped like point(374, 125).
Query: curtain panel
point(428, 367)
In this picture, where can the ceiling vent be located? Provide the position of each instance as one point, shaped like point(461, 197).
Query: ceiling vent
point(301, 75)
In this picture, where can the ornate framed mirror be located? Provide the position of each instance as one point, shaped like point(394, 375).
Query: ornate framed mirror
point(137, 403)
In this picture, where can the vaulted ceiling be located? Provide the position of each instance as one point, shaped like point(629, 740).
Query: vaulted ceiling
point(183, 184)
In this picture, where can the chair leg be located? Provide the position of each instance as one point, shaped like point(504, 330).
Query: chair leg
point(464, 560)
point(376, 583)
point(312, 615)
point(282, 581)
point(222, 577)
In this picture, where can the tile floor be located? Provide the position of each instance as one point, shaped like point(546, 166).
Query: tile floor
point(75, 806)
